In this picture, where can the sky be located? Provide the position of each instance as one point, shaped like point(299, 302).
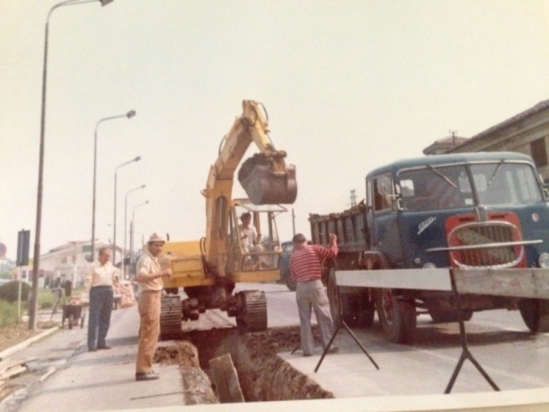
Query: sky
point(348, 86)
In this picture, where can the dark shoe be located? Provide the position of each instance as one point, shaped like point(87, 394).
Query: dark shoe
point(142, 376)
point(307, 354)
point(92, 349)
point(103, 347)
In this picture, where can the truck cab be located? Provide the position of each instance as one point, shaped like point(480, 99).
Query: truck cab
point(466, 211)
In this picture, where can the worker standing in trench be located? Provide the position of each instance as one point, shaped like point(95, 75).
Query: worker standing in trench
point(306, 271)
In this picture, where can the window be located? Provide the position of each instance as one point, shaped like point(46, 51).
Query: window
point(383, 193)
point(539, 152)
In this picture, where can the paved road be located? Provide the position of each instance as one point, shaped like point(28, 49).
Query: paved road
point(514, 358)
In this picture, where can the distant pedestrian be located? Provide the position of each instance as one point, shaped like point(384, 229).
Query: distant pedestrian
point(149, 275)
point(99, 286)
point(306, 271)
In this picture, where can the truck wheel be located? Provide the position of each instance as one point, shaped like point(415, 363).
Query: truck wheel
point(344, 304)
point(397, 317)
point(290, 283)
point(366, 312)
point(535, 313)
point(334, 297)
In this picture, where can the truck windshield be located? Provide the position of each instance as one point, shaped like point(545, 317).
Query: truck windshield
point(448, 187)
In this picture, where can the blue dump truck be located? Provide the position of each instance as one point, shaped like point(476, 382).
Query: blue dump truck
point(466, 211)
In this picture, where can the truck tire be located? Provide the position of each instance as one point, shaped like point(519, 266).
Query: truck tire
point(397, 317)
point(334, 297)
point(535, 313)
point(290, 283)
point(356, 313)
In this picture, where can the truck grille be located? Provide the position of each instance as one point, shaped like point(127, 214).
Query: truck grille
point(492, 244)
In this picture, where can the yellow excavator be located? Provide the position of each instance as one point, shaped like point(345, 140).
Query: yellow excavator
point(207, 270)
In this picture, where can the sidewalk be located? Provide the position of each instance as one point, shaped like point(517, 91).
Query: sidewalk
point(71, 379)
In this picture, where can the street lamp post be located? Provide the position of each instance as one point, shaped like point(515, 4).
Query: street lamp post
point(126, 220)
point(132, 231)
point(36, 260)
point(129, 115)
point(137, 159)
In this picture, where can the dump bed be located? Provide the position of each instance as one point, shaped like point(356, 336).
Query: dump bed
point(349, 226)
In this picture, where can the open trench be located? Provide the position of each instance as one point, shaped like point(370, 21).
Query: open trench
point(262, 375)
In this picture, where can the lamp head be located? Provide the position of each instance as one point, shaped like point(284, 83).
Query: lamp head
point(131, 113)
point(105, 2)
point(143, 187)
point(137, 159)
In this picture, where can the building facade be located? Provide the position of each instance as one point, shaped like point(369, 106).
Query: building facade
point(527, 132)
point(70, 261)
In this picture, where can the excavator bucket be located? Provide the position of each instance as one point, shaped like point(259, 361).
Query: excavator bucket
point(263, 186)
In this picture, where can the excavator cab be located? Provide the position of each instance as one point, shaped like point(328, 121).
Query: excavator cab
point(254, 250)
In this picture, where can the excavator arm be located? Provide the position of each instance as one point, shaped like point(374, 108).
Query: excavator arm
point(265, 178)
point(250, 127)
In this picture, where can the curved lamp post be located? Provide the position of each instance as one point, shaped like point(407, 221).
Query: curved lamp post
point(36, 260)
point(137, 159)
point(126, 220)
point(129, 115)
point(132, 231)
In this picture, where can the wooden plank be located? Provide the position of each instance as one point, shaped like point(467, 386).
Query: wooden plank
point(11, 372)
point(225, 379)
point(419, 279)
point(6, 364)
point(522, 283)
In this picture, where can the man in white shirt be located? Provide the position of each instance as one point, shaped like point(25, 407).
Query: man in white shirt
point(249, 238)
point(99, 286)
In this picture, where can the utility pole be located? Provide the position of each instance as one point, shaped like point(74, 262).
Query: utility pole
point(353, 198)
point(453, 133)
point(293, 222)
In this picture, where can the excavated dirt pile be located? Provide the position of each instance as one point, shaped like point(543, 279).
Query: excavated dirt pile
point(263, 376)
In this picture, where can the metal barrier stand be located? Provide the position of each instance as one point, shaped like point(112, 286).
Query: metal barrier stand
point(342, 323)
point(465, 354)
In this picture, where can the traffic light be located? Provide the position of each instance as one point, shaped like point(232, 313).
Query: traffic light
point(23, 241)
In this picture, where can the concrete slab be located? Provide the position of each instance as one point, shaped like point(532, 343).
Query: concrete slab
point(102, 380)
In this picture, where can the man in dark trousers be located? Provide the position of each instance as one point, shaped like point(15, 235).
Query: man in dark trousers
point(99, 285)
point(306, 271)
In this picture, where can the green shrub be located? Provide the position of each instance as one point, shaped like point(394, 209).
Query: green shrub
point(8, 313)
point(45, 299)
point(10, 291)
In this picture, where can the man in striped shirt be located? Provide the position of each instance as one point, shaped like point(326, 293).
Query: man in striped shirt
point(305, 267)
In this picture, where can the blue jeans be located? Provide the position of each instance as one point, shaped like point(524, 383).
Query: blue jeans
point(101, 302)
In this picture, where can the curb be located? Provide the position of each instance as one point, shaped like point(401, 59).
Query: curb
point(28, 342)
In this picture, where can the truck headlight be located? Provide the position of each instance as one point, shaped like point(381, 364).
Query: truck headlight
point(430, 265)
point(543, 260)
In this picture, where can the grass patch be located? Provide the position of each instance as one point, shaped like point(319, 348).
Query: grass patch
point(8, 313)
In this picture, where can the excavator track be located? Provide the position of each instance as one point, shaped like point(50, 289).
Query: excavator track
point(252, 316)
point(170, 318)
